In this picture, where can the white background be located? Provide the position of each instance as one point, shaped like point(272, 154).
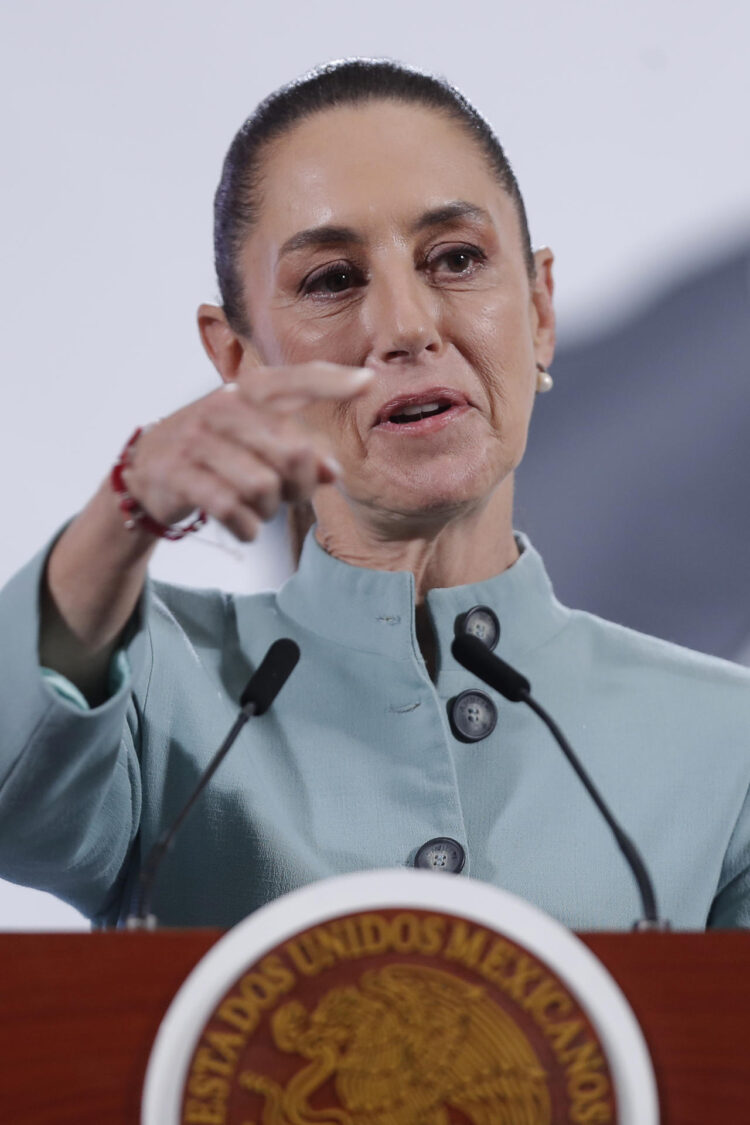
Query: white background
point(626, 124)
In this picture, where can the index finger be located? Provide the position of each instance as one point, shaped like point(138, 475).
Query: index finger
point(290, 388)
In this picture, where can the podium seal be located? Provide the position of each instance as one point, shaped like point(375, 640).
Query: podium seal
point(399, 998)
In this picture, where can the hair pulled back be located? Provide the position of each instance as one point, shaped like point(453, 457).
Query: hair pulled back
point(342, 83)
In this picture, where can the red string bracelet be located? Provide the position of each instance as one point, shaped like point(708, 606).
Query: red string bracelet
point(134, 514)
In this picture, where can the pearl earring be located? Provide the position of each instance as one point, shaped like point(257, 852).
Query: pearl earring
point(544, 381)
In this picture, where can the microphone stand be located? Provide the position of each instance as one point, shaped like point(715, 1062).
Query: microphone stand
point(263, 687)
point(140, 917)
point(473, 655)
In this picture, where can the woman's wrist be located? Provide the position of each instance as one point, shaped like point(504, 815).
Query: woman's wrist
point(133, 512)
point(94, 577)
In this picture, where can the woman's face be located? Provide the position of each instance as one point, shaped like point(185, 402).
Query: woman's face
point(384, 240)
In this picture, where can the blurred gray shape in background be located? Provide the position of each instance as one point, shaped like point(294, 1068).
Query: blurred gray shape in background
point(635, 482)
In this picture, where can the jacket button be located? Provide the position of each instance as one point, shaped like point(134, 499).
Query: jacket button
point(481, 622)
point(441, 854)
point(472, 716)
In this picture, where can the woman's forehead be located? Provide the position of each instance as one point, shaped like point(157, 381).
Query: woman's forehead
point(365, 166)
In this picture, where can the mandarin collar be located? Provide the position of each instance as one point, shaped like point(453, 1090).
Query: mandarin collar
point(373, 610)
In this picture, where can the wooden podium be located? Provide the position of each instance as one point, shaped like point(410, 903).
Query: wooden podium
point(80, 1012)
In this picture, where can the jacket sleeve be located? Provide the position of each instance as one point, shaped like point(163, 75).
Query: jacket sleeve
point(119, 671)
point(731, 906)
point(70, 785)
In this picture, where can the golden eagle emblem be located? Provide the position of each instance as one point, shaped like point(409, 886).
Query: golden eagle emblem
point(404, 1047)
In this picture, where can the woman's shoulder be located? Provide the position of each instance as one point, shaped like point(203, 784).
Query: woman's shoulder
point(204, 611)
point(612, 645)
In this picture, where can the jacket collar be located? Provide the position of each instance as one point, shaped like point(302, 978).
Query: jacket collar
point(373, 610)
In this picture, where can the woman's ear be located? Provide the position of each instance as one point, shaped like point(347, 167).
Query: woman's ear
point(543, 308)
point(227, 351)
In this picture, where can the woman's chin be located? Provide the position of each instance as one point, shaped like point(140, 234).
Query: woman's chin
point(433, 493)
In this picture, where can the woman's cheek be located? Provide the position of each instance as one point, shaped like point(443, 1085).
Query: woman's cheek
point(321, 333)
point(300, 341)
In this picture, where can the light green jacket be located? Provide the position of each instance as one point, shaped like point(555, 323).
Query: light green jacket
point(355, 765)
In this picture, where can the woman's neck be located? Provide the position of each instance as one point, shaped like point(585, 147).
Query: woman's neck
point(453, 550)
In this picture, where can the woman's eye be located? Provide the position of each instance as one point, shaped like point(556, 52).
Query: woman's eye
point(460, 260)
point(333, 280)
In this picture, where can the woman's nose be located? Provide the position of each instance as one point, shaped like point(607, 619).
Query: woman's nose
point(402, 318)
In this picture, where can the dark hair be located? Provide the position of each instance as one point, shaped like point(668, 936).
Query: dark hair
point(346, 82)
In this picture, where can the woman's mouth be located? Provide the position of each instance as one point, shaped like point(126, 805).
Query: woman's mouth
point(416, 413)
point(421, 413)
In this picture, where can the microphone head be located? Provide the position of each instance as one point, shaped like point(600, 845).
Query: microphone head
point(269, 678)
point(475, 657)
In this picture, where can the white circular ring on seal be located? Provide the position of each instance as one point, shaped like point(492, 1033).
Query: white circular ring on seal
point(505, 913)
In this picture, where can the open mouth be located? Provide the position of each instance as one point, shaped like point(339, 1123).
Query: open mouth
point(408, 414)
point(422, 412)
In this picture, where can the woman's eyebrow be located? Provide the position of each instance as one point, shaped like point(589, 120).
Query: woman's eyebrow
point(448, 213)
point(320, 236)
point(340, 236)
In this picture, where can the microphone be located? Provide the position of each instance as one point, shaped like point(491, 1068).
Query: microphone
point(262, 688)
point(269, 678)
point(473, 655)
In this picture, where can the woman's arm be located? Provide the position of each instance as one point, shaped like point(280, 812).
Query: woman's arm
point(237, 456)
point(93, 580)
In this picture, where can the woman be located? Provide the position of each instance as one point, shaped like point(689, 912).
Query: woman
point(384, 329)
